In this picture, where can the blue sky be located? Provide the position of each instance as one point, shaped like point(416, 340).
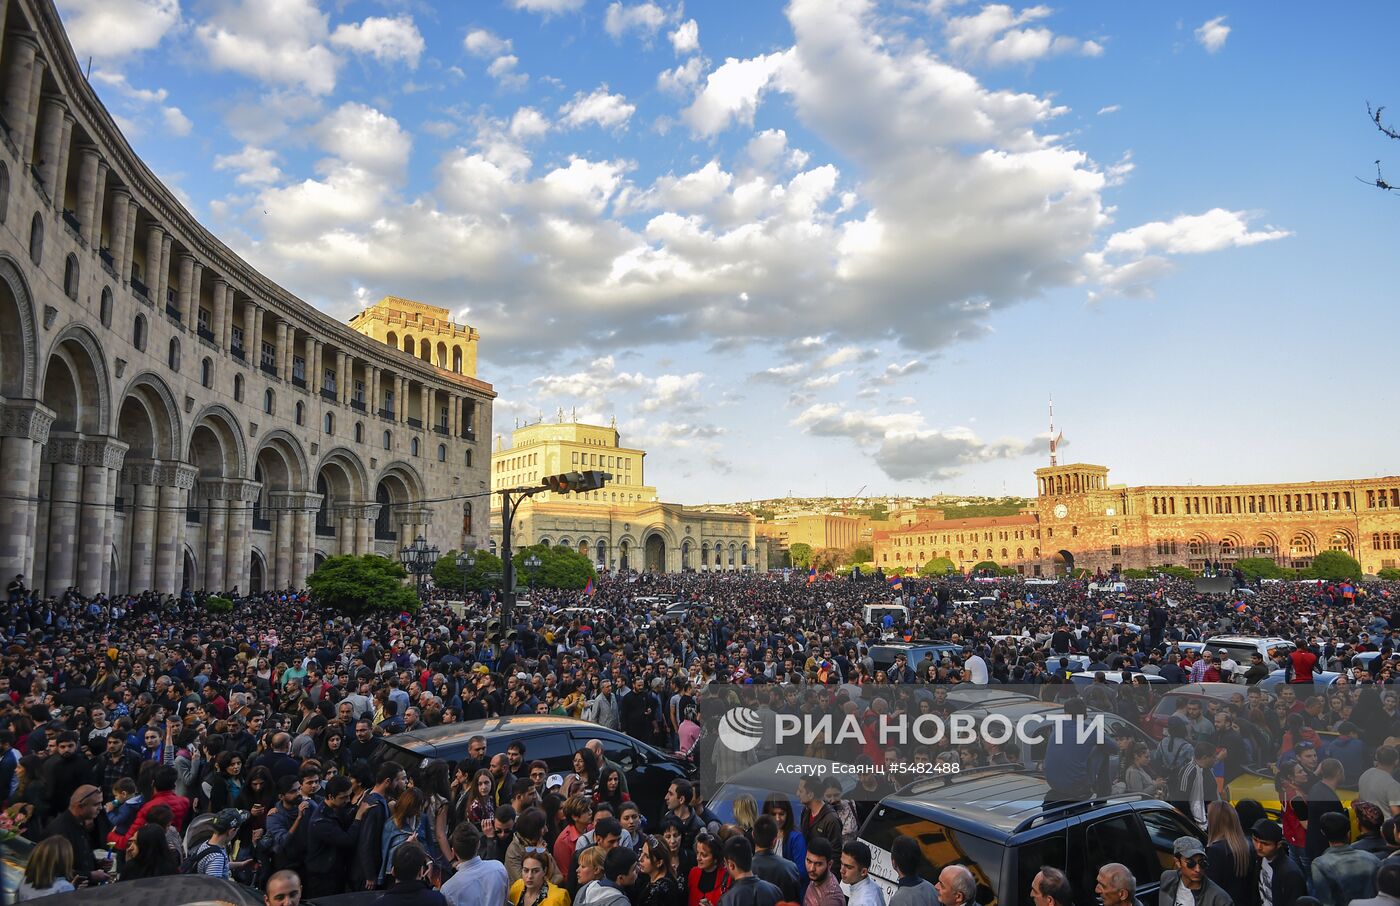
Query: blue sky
point(826, 244)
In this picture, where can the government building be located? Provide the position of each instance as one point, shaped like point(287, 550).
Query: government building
point(1079, 520)
point(169, 417)
point(623, 526)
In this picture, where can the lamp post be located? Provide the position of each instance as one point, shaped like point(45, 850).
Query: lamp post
point(418, 558)
point(466, 561)
point(532, 564)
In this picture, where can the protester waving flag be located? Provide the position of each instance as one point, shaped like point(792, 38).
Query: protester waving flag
point(1110, 614)
point(588, 589)
point(1241, 606)
point(896, 583)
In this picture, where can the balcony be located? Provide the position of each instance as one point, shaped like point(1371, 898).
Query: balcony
point(469, 433)
point(174, 313)
point(329, 395)
point(205, 333)
point(140, 290)
point(415, 422)
point(357, 405)
point(299, 382)
point(386, 414)
point(237, 353)
point(325, 531)
point(71, 220)
point(440, 429)
point(108, 264)
point(268, 368)
point(262, 524)
point(385, 534)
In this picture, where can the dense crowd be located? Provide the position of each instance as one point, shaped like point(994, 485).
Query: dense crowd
point(146, 736)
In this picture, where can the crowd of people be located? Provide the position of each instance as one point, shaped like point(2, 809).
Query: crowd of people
point(146, 736)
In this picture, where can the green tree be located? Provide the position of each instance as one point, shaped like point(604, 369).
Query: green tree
point(485, 574)
point(988, 566)
point(1179, 572)
point(801, 555)
point(1333, 565)
point(1131, 573)
point(560, 567)
point(861, 553)
point(358, 585)
point(826, 559)
point(1261, 568)
point(938, 566)
point(1389, 573)
point(216, 604)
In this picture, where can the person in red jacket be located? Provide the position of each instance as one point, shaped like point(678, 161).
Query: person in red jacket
point(164, 782)
point(1304, 662)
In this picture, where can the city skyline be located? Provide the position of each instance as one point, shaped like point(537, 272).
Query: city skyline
point(681, 216)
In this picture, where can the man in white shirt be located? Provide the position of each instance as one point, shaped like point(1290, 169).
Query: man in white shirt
point(976, 669)
point(1228, 665)
point(477, 881)
point(855, 875)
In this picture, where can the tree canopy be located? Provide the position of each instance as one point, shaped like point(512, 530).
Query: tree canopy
point(485, 574)
point(358, 585)
point(801, 554)
point(560, 567)
point(938, 566)
point(1334, 565)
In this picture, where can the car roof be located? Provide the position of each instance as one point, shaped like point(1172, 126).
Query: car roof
point(1209, 690)
point(995, 800)
point(1246, 640)
point(445, 735)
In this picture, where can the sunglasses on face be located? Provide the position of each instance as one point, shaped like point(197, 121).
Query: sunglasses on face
point(1196, 862)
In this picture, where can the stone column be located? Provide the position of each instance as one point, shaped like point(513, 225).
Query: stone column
point(65, 146)
point(121, 257)
point(101, 458)
point(289, 349)
point(284, 541)
point(454, 414)
point(87, 188)
point(303, 524)
point(166, 243)
point(61, 456)
point(129, 249)
point(216, 311)
point(24, 430)
point(239, 497)
point(372, 389)
point(342, 377)
point(344, 530)
point(187, 314)
point(402, 401)
point(52, 111)
point(154, 233)
point(176, 480)
point(31, 119)
point(427, 398)
point(317, 376)
point(21, 48)
point(230, 300)
point(250, 321)
point(255, 341)
point(196, 285)
point(365, 540)
point(215, 506)
point(99, 199)
point(141, 517)
point(278, 362)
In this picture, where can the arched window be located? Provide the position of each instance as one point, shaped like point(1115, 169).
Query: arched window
point(4, 192)
point(328, 423)
point(457, 359)
point(173, 357)
point(105, 311)
point(425, 350)
point(238, 387)
point(359, 432)
point(301, 413)
point(36, 238)
point(206, 372)
point(70, 276)
point(413, 446)
point(442, 452)
point(469, 459)
point(442, 355)
point(388, 440)
point(408, 345)
point(138, 333)
point(392, 339)
point(269, 401)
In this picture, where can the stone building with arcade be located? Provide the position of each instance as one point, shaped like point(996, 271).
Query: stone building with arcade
point(624, 525)
point(171, 418)
point(1081, 520)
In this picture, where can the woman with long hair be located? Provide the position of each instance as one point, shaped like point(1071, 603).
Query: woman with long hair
point(478, 806)
point(48, 871)
point(149, 855)
point(657, 864)
point(586, 767)
point(709, 879)
point(791, 845)
point(437, 787)
point(745, 812)
point(32, 791)
point(258, 798)
point(332, 749)
point(401, 826)
point(1292, 784)
point(672, 834)
point(224, 784)
point(1229, 853)
point(533, 887)
point(610, 789)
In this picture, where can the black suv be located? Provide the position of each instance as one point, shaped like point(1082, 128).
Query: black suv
point(993, 821)
point(550, 739)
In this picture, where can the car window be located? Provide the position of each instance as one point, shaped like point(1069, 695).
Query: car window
point(552, 748)
point(1052, 850)
point(942, 846)
point(1163, 827)
point(618, 751)
point(1114, 838)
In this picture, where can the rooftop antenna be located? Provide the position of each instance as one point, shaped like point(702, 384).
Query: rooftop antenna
point(1054, 438)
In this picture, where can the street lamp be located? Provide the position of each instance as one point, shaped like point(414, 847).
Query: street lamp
point(466, 561)
point(419, 558)
point(532, 564)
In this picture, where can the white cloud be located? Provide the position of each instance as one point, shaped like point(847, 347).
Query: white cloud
point(502, 69)
point(255, 166)
point(528, 123)
point(481, 43)
point(599, 107)
point(118, 81)
point(1111, 108)
point(547, 7)
point(111, 29)
point(996, 36)
point(646, 18)
point(732, 93)
point(682, 80)
point(846, 355)
point(1212, 34)
point(383, 38)
point(903, 445)
point(685, 39)
point(602, 381)
point(366, 138)
point(897, 370)
point(176, 123)
point(277, 41)
point(1190, 234)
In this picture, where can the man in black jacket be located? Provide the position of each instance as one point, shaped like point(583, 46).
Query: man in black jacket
point(390, 781)
point(1274, 879)
point(776, 870)
point(330, 842)
point(1322, 798)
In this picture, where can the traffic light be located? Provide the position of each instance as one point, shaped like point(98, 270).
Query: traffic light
point(571, 482)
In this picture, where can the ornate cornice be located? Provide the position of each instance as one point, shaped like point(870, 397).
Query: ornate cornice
point(29, 419)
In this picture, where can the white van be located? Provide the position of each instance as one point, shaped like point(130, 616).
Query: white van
point(875, 613)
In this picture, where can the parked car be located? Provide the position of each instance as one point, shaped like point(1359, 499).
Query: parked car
point(994, 823)
point(1277, 678)
point(1240, 648)
point(764, 779)
point(551, 739)
point(174, 890)
point(883, 654)
point(1155, 721)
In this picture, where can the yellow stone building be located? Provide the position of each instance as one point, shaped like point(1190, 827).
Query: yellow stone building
point(424, 331)
point(1081, 520)
point(624, 525)
point(817, 530)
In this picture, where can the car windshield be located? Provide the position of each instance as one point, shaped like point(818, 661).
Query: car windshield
point(942, 846)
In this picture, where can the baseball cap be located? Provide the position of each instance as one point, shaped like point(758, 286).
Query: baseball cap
point(228, 819)
point(1187, 846)
point(1267, 830)
point(554, 782)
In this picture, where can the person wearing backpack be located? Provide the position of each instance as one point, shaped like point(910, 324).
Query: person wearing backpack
point(1174, 752)
point(211, 857)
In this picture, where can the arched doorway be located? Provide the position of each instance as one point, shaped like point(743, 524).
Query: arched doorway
point(602, 548)
point(1064, 563)
point(622, 550)
point(257, 572)
point(656, 553)
point(187, 577)
point(685, 555)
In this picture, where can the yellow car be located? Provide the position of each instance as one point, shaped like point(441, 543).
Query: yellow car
point(1258, 784)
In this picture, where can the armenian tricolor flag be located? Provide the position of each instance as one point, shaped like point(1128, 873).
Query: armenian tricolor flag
point(811, 575)
point(1109, 614)
point(1241, 606)
point(588, 589)
point(896, 583)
